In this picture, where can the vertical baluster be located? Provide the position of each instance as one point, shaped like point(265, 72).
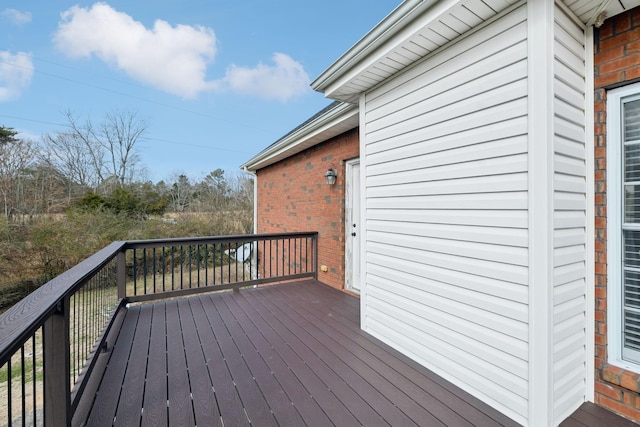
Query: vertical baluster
point(135, 273)
point(235, 257)
point(22, 387)
point(181, 266)
point(289, 257)
point(251, 254)
point(73, 332)
point(164, 272)
point(33, 376)
point(221, 262)
point(144, 269)
point(206, 265)
point(173, 266)
point(154, 270)
point(270, 258)
point(78, 326)
point(85, 338)
point(281, 272)
point(190, 266)
point(244, 257)
point(9, 397)
point(198, 264)
point(228, 261)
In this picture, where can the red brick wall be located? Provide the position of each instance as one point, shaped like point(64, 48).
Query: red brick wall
point(293, 196)
point(617, 59)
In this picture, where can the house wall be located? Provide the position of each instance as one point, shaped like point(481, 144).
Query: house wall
point(292, 196)
point(569, 219)
point(616, 61)
point(461, 274)
point(446, 199)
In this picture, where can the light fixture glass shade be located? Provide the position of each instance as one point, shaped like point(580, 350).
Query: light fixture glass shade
point(330, 177)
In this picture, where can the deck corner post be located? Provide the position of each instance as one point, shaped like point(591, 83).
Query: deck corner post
point(121, 274)
point(57, 388)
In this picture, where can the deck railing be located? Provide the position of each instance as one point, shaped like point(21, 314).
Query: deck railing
point(55, 338)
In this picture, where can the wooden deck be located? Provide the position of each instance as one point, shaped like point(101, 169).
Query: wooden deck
point(282, 355)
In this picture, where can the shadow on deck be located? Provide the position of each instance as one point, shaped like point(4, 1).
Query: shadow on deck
point(287, 355)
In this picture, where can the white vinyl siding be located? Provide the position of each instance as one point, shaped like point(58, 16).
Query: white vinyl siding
point(445, 200)
point(569, 243)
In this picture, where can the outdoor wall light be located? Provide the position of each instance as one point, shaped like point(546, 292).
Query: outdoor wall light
point(330, 176)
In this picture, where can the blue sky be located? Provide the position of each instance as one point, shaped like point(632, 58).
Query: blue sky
point(217, 80)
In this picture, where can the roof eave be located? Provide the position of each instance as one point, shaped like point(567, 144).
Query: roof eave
point(371, 45)
point(332, 123)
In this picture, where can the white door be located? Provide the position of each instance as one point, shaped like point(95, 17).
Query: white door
point(352, 226)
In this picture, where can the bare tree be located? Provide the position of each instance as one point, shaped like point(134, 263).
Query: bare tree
point(120, 133)
point(73, 157)
point(15, 157)
point(91, 155)
point(181, 192)
point(241, 200)
point(84, 135)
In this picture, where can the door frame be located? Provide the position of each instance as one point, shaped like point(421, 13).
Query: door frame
point(352, 243)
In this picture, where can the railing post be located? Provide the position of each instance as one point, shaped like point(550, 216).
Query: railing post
point(57, 388)
point(121, 273)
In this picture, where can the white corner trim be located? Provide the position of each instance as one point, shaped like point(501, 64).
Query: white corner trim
point(591, 236)
point(540, 39)
point(364, 324)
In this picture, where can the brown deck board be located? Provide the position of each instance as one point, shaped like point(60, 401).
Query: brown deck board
point(590, 415)
point(178, 393)
point(438, 388)
point(128, 412)
point(318, 381)
point(279, 402)
point(286, 355)
point(295, 390)
point(347, 363)
point(447, 404)
point(205, 409)
point(108, 394)
point(229, 403)
point(155, 387)
point(400, 391)
point(324, 363)
point(364, 413)
point(254, 402)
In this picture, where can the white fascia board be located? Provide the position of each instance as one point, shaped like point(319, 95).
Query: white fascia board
point(327, 125)
point(391, 32)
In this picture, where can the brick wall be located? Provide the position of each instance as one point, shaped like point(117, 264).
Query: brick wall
point(617, 59)
point(293, 196)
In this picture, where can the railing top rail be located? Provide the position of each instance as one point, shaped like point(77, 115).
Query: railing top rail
point(21, 320)
point(133, 244)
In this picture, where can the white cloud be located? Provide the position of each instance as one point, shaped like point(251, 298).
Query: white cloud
point(283, 80)
point(16, 72)
point(173, 59)
point(17, 17)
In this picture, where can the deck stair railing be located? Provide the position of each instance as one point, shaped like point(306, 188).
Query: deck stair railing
point(53, 340)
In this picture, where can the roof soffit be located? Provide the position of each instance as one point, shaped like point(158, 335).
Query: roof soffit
point(416, 29)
